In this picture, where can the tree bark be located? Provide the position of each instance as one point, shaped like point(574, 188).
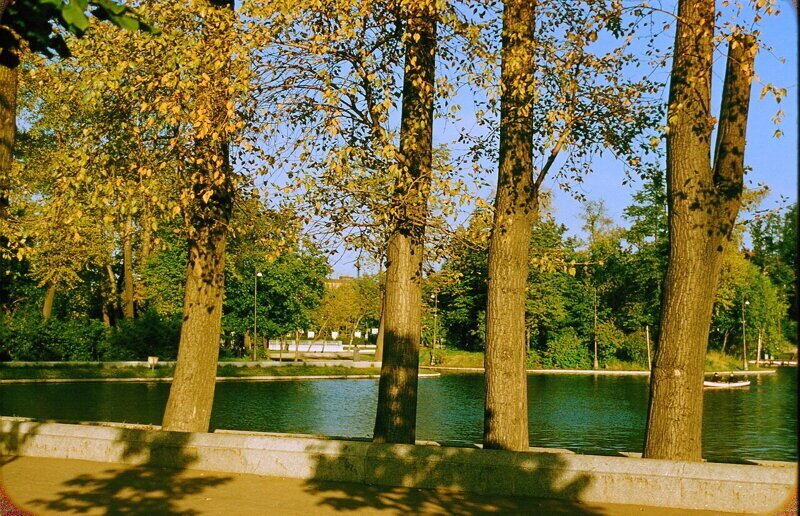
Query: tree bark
point(703, 204)
point(395, 420)
point(127, 269)
point(191, 395)
point(49, 298)
point(516, 205)
point(8, 130)
point(381, 329)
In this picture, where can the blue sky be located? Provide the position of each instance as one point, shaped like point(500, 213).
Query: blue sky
point(773, 160)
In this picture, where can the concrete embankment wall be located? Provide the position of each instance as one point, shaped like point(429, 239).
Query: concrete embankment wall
point(555, 474)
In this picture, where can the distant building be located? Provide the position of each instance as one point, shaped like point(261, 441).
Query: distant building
point(332, 283)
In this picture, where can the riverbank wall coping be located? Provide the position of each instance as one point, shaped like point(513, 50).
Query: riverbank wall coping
point(306, 361)
point(168, 379)
point(608, 372)
point(538, 473)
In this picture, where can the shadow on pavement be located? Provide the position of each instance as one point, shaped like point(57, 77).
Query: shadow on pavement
point(144, 489)
point(444, 480)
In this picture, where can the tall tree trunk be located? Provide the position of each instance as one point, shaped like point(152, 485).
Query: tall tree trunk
point(105, 311)
point(703, 204)
point(191, 395)
point(146, 247)
point(113, 295)
point(127, 269)
point(395, 420)
point(49, 297)
point(8, 131)
point(8, 127)
point(108, 296)
point(516, 204)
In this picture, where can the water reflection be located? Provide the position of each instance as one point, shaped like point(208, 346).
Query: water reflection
point(591, 414)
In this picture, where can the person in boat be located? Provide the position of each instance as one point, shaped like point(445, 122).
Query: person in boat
point(732, 379)
point(716, 378)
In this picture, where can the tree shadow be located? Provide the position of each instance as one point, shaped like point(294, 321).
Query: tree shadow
point(145, 488)
point(14, 433)
point(449, 480)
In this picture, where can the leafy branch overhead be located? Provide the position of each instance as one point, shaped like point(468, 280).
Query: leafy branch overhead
point(41, 22)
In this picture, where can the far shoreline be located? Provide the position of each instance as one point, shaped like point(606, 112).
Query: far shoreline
point(599, 372)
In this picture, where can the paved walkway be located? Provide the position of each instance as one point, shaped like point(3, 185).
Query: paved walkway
point(59, 486)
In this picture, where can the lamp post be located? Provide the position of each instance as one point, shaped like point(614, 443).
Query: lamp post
point(255, 315)
point(744, 334)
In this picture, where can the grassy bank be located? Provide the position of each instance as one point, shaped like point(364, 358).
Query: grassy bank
point(715, 361)
point(451, 358)
point(98, 371)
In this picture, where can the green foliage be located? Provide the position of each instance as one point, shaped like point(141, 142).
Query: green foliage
point(35, 21)
point(31, 339)
point(28, 338)
point(610, 340)
point(774, 252)
point(566, 351)
point(533, 360)
point(289, 291)
point(462, 297)
point(163, 280)
point(148, 335)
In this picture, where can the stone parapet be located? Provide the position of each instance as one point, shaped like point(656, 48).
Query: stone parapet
point(557, 474)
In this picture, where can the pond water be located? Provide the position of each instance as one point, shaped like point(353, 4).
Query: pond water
point(589, 414)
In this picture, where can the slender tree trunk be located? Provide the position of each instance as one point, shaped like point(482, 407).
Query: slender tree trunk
point(191, 395)
point(146, 247)
point(108, 295)
point(106, 313)
point(725, 340)
point(516, 205)
point(49, 297)
point(395, 420)
point(127, 269)
point(113, 296)
point(146, 223)
point(703, 202)
point(381, 329)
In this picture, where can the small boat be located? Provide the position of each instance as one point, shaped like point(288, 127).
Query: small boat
point(726, 385)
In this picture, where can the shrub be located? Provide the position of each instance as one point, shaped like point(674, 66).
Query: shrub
point(533, 360)
point(634, 349)
point(566, 351)
point(610, 341)
point(29, 338)
point(148, 335)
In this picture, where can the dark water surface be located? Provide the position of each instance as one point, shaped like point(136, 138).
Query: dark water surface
point(590, 414)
